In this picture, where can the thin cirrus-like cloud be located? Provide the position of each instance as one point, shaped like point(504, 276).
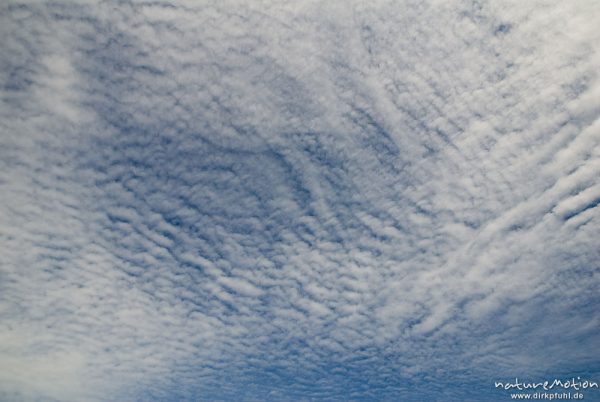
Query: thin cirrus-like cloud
point(297, 201)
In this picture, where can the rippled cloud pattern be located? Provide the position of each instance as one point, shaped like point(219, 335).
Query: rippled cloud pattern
point(297, 201)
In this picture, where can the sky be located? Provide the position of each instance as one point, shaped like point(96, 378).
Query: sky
point(298, 200)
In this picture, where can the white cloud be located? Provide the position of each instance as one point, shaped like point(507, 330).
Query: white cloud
point(296, 201)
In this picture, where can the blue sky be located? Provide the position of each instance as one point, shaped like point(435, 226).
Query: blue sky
point(297, 201)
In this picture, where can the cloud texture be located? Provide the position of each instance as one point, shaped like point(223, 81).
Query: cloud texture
point(249, 200)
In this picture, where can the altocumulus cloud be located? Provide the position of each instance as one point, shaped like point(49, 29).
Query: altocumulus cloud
point(248, 200)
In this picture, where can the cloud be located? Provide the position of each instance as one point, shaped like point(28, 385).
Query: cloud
point(296, 201)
